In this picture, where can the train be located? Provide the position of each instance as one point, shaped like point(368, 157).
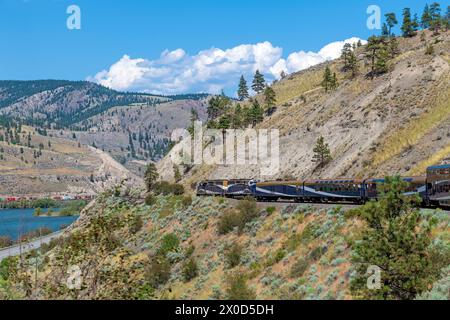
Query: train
point(433, 189)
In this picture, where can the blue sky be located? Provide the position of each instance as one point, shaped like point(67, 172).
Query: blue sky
point(36, 43)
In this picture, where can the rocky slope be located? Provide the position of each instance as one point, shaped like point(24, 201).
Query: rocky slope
point(150, 129)
point(397, 123)
point(49, 165)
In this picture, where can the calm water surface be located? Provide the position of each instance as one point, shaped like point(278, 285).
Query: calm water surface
point(15, 222)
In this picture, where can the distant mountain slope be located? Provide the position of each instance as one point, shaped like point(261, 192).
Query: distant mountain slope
point(136, 134)
point(65, 103)
point(42, 164)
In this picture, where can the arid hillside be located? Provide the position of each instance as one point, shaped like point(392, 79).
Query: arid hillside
point(64, 103)
point(397, 122)
point(42, 164)
point(181, 248)
point(138, 133)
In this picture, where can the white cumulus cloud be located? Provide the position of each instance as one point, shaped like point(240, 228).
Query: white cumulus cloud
point(210, 70)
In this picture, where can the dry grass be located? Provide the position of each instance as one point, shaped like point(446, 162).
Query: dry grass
point(415, 130)
point(433, 160)
point(293, 87)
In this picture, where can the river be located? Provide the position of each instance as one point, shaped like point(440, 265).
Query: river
point(16, 222)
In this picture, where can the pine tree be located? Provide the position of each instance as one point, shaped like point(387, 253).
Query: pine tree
point(381, 65)
point(436, 19)
point(269, 97)
point(408, 25)
point(224, 122)
point(243, 89)
point(131, 145)
point(346, 51)
point(194, 117)
point(236, 119)
point(283, 74)
point(353, 64)
point(385, 30)
point(327, 79)
point(374, 47)
point(426, 17)
point(259, 83)
point(334, 81)
point(322, 153)
point(397, 240)
point(176, 174)
point(217, 106)
point(416, 23)
point(446, 19)
point(150, 177)
point(255, 114)
point(391, 21)
point(393, 47)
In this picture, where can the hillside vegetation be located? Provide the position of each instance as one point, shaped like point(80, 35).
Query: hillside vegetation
point(183, 248)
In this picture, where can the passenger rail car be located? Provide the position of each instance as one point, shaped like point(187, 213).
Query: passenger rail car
point(416, 186)
point(438, 186)
point(433, 189)
point(333, 191)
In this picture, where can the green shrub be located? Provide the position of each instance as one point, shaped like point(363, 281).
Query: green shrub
point(247, 210)
point(275, 257)
point(169, 243)
point(233, 255)
point(145, 292)
point(186, 201)
point(299, 268)
point(158, 272)
point(237, 289)
point(227, 222)
point(190, 269)
point(440, 290)
point(293, 242)
point(165, 188)
point(271, 210)
point(309, 233)
point(5, 242)
point(190, 250)
point(72, 208)
point(279, 255)
point(136, 224)
point(177, 189)
point(150, 199)
point(317, 253)
point(8, 267)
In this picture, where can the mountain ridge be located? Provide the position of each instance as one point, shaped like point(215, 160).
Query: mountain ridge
point(65, 103)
